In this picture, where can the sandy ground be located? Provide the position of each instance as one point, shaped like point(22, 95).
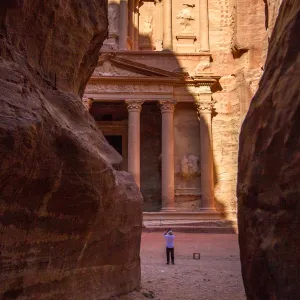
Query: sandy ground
point(216, 276)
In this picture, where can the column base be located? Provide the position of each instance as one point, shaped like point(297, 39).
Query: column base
point(208, 209)
point(168, 209)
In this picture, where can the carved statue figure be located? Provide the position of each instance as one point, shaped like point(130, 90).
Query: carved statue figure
point(147, 26)
point(185, 17)
point(203, 66)
point(190, 166)
point(112, 19)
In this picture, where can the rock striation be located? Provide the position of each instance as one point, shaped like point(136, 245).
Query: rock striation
point(269, 170)
point(70, 223)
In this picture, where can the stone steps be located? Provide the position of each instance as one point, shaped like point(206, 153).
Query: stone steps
point(213, 226)
point(192, 229)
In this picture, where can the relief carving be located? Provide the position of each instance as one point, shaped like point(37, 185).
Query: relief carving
point(203, 67)
point(112, 88)
point(190, 166)
point(185, 18)
point(108, 69)
point(147, 28)
point(113, 19)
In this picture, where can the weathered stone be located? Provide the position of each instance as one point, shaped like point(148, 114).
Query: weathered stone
point(70, 223)
point(268, 178)
point(238, 41)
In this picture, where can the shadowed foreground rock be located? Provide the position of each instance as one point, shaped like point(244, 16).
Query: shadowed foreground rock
point(269, 170)
point(69, 222)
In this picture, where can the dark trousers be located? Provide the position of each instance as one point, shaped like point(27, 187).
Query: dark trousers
point(170, 251)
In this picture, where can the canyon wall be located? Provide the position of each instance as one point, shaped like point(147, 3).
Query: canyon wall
point(238, 33)
point(269, 170)
point(70, 223)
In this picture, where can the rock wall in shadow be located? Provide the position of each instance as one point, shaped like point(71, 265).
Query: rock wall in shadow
point(269, 170)
point(70, 222)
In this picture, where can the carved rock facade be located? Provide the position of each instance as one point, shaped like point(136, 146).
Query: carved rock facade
point(70, 222)
point(217, 59)
point(269, 173)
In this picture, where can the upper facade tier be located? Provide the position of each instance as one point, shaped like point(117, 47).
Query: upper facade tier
point(180, 26)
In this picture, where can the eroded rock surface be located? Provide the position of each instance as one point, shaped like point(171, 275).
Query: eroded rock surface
point(269, 170)
point(69, 222)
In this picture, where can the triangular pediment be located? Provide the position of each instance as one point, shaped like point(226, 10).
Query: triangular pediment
point(112, 66)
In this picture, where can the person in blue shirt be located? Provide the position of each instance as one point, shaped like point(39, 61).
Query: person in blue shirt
point(169, 237)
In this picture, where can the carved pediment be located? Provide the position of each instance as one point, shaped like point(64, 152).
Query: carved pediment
point(109, 69)
point(111, 65)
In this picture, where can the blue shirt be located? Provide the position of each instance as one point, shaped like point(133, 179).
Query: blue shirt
point(169, 240)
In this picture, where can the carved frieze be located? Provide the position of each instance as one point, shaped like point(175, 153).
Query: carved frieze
point(204, 89)
point(196, 90)
point(127, 88)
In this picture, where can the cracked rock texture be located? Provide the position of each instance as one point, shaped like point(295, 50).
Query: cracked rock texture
point(70, 223)
point(269, 170)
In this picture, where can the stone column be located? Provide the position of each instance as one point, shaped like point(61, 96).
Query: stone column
point(203, 23)
point(123, 30)
point(167, 25)
point(131, 22)
point(158, 25)
point(204, 108)
point(87, 102)
point(134, 109)
point(136, 25)
point(167, 155)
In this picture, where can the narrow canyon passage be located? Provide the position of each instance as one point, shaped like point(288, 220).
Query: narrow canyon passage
point(216, 275)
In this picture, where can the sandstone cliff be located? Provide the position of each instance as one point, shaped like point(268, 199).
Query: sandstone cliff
point(269, 170)
point(239, 31)
point(70, 223)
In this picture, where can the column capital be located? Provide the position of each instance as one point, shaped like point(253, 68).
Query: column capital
point(87, 102)
point(167, 106)
point(157, 2)
point(134, 105)
point(205, 106)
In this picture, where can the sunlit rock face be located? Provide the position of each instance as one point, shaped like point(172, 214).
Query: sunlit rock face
point(70, 222)
point(269, 170)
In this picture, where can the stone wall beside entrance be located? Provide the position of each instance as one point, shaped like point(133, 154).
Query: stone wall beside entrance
point(187, 157)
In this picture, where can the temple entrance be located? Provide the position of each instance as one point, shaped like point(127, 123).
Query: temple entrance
point(112, 120)
point(116, 142)
point(150, 157)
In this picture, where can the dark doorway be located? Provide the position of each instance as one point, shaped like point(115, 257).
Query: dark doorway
point(115, 141)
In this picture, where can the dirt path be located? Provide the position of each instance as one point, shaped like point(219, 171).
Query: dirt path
point(216, 276)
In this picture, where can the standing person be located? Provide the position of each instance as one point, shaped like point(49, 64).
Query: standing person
point(169, 237)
